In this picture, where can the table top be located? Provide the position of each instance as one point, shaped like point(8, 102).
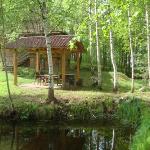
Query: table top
point(46, 75)
point(55, 75)
point(69, 74)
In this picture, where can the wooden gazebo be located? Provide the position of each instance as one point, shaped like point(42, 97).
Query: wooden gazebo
point(30, 50)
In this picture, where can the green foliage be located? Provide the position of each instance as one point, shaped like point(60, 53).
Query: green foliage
point(27, 111)
point(63, 16)
point(141, 140)
point(80, 111)
point(141, 64)
point(26, 72)
point(129, 111)
point(85, 111)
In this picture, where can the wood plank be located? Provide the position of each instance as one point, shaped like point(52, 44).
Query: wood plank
point(63, 68)
point(78, 67)
point(37, 61)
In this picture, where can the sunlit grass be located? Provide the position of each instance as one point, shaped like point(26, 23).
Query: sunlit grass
point(141, 140)
point(87, 92)
point(107, 82)
point(14, 89)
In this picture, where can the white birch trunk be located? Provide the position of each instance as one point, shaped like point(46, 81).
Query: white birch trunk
point(115, 81)
point(98, 50)
point(90, 38)
point(49, 52)
point(90, 31)
point(131, 50)
point(148, 43)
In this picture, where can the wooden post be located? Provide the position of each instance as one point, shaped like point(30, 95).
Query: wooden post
point(63, 68)
point(37, 62)
point(15, 65)
point(78, 67)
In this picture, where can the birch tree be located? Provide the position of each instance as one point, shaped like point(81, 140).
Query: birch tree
point(113, 61)
point(43, 9)
point(90, 35)
point(99, 70)
point(131, 50)
point(115, 80)
point(3, 56)
point(148, 42)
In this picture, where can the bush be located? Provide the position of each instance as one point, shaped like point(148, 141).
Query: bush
point(129, 111)
point(26, 72)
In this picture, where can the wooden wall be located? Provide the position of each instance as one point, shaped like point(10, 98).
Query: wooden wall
point(9, 57)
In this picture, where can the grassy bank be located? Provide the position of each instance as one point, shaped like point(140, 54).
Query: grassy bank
point(128, 110)
point(141, 140)
point(82, 104)
point(87, 99)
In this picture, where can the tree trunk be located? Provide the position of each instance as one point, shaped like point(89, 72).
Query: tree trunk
point(90, 38)
point(104, 60)
point(3, 57)
point(7, 81)
point(113, 140)
point(131, 50)
point(148, 43)
point(49, 52)
point(115, 81)
point(98, 50)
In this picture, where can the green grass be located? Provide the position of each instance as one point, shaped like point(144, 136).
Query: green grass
point(107, 81)
point(14, 89)
point(141, 139)
point(88, 93)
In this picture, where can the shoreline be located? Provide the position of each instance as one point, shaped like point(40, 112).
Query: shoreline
point(93, 109)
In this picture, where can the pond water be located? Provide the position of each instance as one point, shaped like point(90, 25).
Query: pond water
point(65, 136)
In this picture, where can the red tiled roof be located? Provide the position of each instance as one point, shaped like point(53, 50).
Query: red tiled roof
point(57, 41)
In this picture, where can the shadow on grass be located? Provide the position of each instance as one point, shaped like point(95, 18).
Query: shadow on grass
point(107, 82)
point(23, 98)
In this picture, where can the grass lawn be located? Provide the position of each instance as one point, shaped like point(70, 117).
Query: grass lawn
point(21, 94)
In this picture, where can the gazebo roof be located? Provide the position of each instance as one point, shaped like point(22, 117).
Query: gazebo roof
point(57, 41)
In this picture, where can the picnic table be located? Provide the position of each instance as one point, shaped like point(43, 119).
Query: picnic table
point(69, 79)
point(45, 78)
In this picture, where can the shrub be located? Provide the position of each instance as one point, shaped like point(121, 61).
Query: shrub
point(141, 140)
point(129, 111)
point(26, 72)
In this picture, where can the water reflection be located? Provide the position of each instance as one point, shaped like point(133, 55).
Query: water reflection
point(48, 137)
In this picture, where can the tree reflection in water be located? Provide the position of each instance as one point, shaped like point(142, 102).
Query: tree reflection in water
point(44, 137)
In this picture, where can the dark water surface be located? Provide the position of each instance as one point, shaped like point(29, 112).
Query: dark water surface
point(50, 136)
